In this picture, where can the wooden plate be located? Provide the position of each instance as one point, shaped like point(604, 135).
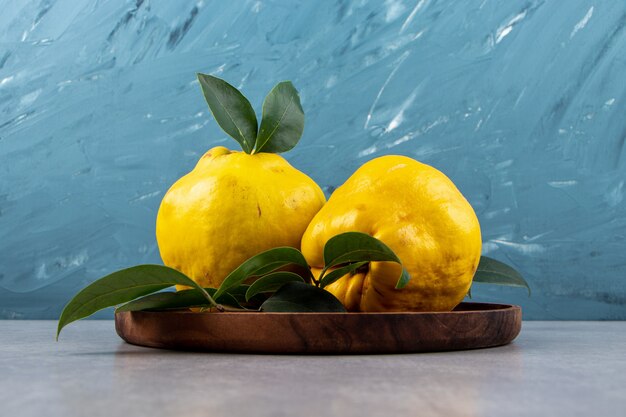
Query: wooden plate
point(469, 326)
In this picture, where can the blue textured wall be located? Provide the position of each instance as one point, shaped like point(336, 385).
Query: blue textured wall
point(521, 103)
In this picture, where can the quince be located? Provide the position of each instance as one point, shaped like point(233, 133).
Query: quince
point(230, 207)
point(420, 214)
point(234, 205)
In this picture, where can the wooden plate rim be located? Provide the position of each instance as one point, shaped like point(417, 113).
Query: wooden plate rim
point(308, 332)
point(489, 308)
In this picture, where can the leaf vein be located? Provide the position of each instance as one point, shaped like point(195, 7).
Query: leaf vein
point(282, 116)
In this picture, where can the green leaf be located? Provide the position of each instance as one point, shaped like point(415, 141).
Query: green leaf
point(271, 283)
point(231, 110)
point(403, 280)
point(278, 257)
point(491, 271)
point(282, 123)
point(123, 286)
point(239, 293)
point(301, 297)
point(270, 267)
point(175, 300)
point(339, 272)
point(353, 247)
point(356, 247)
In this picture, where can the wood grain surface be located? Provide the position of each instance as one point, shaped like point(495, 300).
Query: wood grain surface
point(469, 326)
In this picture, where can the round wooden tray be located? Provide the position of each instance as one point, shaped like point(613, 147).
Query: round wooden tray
point(469, 326)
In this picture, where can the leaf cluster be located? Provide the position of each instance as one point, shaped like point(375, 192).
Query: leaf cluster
point(282, 122)
point(274, 288)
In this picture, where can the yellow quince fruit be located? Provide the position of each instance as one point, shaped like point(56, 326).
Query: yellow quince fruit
point(420, 214)
point(230, 207)
point(234, 205)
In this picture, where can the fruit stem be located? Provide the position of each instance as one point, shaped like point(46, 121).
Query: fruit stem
point(231, 309)
point(222, 308)
point(212, 302)
point(324, 270)
point(315, 281)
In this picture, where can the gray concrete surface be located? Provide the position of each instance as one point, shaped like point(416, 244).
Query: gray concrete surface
point(552, 369)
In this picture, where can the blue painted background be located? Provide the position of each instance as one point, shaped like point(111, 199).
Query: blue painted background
point(521, 103)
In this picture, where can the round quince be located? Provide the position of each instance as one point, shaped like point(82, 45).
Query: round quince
point(236, 204)
point(230, 207)
point(420, 214)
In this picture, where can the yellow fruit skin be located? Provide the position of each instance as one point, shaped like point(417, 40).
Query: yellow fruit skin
point(421, 215)
point(231, 207)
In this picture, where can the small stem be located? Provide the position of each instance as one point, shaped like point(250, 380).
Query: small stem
point(212, 302)
point(230, 309)
point(322, 274)
point(318, 280)
point(221, 308)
